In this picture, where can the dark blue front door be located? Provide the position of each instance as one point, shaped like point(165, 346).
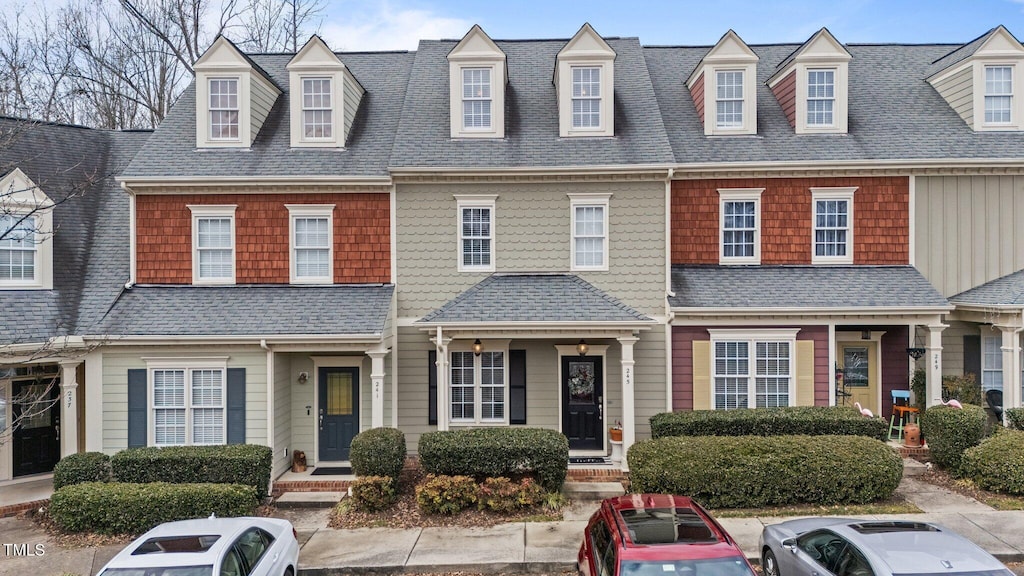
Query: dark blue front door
point(338, 411)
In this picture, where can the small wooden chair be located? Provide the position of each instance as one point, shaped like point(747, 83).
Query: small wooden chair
point(900, 416)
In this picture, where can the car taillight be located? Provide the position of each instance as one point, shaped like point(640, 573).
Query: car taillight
point(295, 533)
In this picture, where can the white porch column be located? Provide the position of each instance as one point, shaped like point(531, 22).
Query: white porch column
point(628, 409)
point(1011, 367)
point(69, 407)
point(442, 379)
point(377, 386)
point(933, 370)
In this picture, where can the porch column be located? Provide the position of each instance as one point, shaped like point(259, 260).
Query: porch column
point(933, 370)
point(69, 407)
point(441, 366)
point(377, 386)
point(1011, 367)
point(628, 415)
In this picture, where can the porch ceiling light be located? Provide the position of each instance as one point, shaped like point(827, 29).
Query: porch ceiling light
point(865, 334)
point(478, 347)
point(582, 347)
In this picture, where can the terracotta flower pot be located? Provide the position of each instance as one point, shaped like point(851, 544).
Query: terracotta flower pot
point(615, 434)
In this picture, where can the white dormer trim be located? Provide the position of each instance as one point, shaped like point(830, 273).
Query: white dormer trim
point(730, 54)
point(19, 196)
point(315, 60)
point(586, 49)
point(476, 50)
point(256, 94)
point(821, 52)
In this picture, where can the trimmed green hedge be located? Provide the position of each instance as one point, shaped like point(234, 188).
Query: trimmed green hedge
point(378, 452)
point(117, 508)
point(997, 463)
point(1015, 418)
point(493, 452)
point(951, 431)
point(808, 420)
point(758, 471)
point(223, 464)
point(81, 467)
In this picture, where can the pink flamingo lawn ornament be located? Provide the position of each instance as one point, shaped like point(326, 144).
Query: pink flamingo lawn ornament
point(864, 411)
point(954, 403)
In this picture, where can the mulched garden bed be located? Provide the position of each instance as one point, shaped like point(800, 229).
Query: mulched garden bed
point(41, 518)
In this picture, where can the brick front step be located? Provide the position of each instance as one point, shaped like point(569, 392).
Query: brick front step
point(15, 509)
point(280, 488)
point(920, 453)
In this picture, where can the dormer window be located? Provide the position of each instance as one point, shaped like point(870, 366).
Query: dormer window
point(324, 97)
point(729, 101)
point(224, 108)
point(476, 98)
point(233, 97)
point(584, 85)
point(18, 250)
point(998, 94)
point(812, 86)
point(317, 118)
point(725, 79)
point(821, 97)
point(26, 248)
point(586, 97)
point(477, 77)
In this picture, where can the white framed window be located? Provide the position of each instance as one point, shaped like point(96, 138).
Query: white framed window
point(311, 243)
point(476, 99)
point(740, 225)
point(998, 94)
point(476, 233)
point(752, 369)
point(213, 244)
point(821, 97)
point(586, 97)
point(224, 112)
point(187, 403)
point(832, 222)
point(729, 99)
point(317, 109)
point(589, 231)
point(18, 249)
point(991, 363)
point(478, 388)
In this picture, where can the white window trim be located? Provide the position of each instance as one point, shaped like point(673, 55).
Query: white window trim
point(606, 126)
point(1016, 101)
point(187, 365)
point(476, 201)
point(807, 98)
point(583, 200)
point(749, 124)
point(209, 117)
point(752, 337)
point(211, 211)
point(739, 195)
point(990, 333)
point(600, 97)
point(474, 130)
point(332, 108)
point(841, 193)
point(310, 211)
point(24, 197)
point(840, 95)
point(298, 132)
point(489, 346)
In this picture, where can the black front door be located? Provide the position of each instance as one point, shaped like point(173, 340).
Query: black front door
point(338, 411)
point(582, 399)
point(36, 417)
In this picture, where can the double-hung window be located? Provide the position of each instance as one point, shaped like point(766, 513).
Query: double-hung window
point(311, 234)
point(476, 233)
point(317, 112)
point(998, 94)
point(476, 98)
point(991, 363)
point(589, 231)
point(478, 390)
point(213, 241)
point(729, 99)
point(821, 97)
point(188, 406)
point(586, 97)
point(740, 226)
point(751, 370)
point(18, 261)
point(223, 108)
point(833, 225)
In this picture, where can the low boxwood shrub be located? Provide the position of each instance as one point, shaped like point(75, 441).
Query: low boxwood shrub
point(951, 431)
point(120, 508)
point(495, 452)
point(809, 420)
point(997, 463)
point(758, 471)
point(223, 464)
point(440, 494)
point(373, 493)
point(378, 452)
point(503, 495)
point(1015, 418)
point(81, 467)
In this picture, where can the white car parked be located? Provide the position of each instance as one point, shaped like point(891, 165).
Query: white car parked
point(211, 547)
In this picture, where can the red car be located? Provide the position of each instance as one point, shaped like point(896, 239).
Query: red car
point(658, 535)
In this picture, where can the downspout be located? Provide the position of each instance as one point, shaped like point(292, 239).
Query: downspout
point(668, 231)
point(131, 235)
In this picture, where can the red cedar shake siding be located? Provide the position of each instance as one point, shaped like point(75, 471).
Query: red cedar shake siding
point(697, 92)
point(881, 226)
point(682, 361)
point(362, 250)
point(785, 93)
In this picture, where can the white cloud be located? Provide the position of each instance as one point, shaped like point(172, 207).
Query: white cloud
point(385, 26)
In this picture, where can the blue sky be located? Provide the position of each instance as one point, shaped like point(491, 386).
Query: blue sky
point(399, 24)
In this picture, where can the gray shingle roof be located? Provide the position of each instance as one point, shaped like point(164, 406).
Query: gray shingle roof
point(960, 54)
point(1005, 291)
point(894, 114)
point(531, 114)
point(249, 310)
point(172, 149)
point(802, 287)
point(503, 298)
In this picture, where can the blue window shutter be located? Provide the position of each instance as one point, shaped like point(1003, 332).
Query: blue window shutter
point(432, 387)
point(236, 406)
point(138, 431)
point(517, 386)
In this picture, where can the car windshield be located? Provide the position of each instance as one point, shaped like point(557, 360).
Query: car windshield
point(173, 571)
point(713, 567)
